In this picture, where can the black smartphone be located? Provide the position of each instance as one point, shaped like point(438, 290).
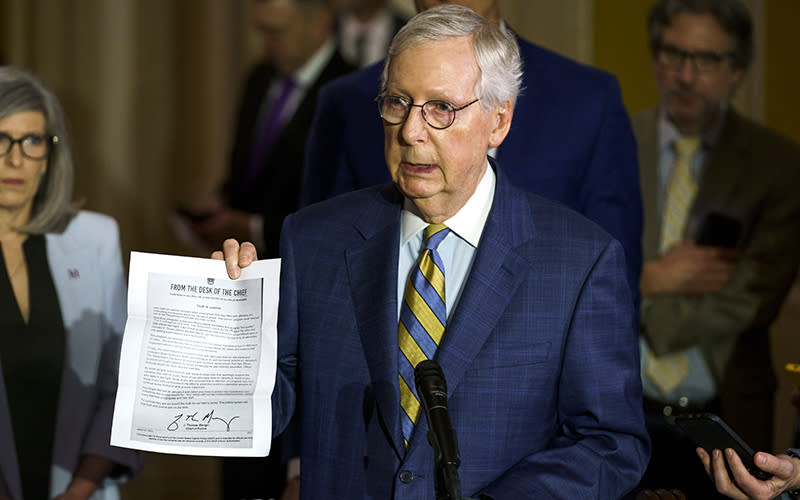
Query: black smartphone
point(719, 230)
point(710, 432)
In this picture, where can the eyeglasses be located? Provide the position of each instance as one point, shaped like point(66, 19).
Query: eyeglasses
point(438, 114)
point(704, 61)
point(33, 146)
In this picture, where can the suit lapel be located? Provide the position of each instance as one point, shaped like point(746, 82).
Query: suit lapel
point(646, 130)
point(493, 280)
point(723, 168)
point(371, 261)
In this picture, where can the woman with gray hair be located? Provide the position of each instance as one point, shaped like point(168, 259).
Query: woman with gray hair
point(62, 312)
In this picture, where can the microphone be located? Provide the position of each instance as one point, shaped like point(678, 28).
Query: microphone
point(432, 391)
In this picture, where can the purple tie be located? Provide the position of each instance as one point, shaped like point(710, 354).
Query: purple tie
point(271, 124)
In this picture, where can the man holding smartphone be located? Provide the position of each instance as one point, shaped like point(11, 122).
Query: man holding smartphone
point(720, 238)
point(785, 470)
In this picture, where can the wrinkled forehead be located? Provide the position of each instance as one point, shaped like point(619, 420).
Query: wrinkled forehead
point(437, 69)
point(692, 31)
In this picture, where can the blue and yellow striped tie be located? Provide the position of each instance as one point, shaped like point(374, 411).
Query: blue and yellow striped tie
point(422, 321)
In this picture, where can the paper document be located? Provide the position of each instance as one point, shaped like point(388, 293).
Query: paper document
point(198, 357)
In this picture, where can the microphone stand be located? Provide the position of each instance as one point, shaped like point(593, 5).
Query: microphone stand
point(432, 390)
point(445, 479)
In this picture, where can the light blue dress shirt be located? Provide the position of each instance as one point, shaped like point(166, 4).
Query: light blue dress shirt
point(457, 249)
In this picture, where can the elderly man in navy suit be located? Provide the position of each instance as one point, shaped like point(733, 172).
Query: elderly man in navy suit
point(522, 302)
point(571, 140)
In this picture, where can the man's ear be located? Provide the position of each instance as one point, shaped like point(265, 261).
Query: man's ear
point(502, 115)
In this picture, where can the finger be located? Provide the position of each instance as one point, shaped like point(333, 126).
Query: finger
point(781, 467)
point(230, 249)
point(719, 253)
point(739, 471)
point(719, 474)
point(217, 255)
point(730, 255)
point(708, 283)
point(746, 486)
point(705, 459)
point(247, 254)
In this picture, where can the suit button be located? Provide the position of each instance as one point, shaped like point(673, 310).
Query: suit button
point(406, 476)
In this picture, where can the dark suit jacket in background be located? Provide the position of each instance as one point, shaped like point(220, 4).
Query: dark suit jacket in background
point(274, 192)
point(540, 356)
point(570, 141)
point(398, 21)
point(752, 174)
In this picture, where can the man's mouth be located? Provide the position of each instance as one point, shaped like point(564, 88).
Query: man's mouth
point(417, 167)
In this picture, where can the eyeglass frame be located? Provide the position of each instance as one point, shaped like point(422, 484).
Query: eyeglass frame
point(51, 141)
point(380, 98)
point(714, 58)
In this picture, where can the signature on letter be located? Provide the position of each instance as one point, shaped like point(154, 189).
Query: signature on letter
point(175, 424)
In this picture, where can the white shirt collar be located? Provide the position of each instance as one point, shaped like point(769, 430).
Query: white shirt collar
point(468, 222)
point(667, 132)
point(308, 73)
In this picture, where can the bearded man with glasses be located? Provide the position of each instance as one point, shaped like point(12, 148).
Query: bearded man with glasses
point(721, 245)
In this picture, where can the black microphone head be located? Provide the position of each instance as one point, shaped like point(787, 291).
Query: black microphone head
point(428, 375)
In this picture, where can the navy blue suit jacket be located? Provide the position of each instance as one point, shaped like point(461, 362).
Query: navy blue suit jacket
point(570, 141)
point(540, 355)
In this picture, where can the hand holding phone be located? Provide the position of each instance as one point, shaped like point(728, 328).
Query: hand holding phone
point(710, 432)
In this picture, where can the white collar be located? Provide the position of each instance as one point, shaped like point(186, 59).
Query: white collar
point(308, 72)
point(468, 222)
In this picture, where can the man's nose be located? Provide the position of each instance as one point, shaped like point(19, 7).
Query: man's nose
point(687, 71)
point(414, 129)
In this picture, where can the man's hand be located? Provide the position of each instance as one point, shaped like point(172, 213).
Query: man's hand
point(236, 256)
point(79, 489)
point(785, 472)
point(292, 489)
point(689, 268)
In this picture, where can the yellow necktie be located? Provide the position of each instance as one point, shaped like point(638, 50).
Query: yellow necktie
point(422, 321)
point(668, 371)
point(681, 191)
